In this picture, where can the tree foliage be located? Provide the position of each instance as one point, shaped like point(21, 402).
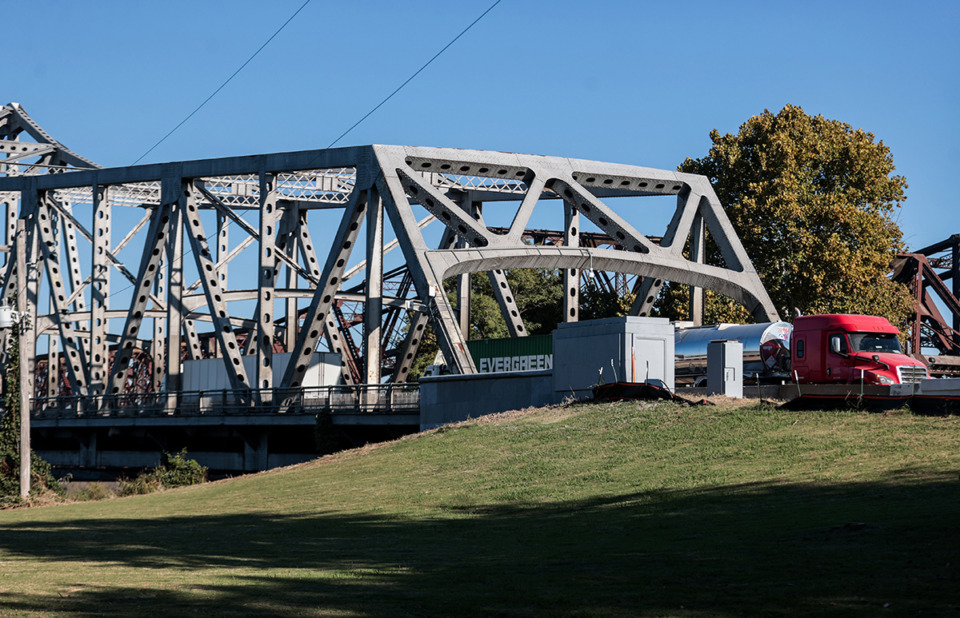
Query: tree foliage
point(539, 296)
point(426, 353)
point(674, 303)
point(812, 201)
point(597, 302)
point(10, 431)
point(41, 478)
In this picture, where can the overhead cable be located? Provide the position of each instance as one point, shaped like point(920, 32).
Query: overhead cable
point(409, 79)
point(223, 85)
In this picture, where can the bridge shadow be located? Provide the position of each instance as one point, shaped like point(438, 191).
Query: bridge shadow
point(766, 549)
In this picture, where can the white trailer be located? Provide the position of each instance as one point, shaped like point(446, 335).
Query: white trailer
point(210, 374)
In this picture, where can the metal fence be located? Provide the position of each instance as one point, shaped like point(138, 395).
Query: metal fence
point(348, 399)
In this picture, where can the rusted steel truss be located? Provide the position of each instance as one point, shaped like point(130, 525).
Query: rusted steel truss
point(932, 275)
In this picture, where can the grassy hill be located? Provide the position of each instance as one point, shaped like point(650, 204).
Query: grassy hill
point(612, 509)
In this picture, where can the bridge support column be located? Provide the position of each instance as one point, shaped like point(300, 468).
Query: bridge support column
point(463, 281)
point(463, 304)
point(175, 312)
point(88, 449)
point(255, 451)
point(99, 292)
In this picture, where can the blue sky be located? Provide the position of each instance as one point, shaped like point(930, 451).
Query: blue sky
point(630, 82)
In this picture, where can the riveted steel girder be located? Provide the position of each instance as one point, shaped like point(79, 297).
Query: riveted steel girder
point(581, 185)
point(76, 361)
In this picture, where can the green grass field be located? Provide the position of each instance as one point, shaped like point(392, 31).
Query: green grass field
point(611, 509)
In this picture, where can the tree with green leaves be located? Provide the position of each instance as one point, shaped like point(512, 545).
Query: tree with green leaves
point(539, 296)
point(10, 430)
point(812, 200)
point(597, 303)
point(41, 477)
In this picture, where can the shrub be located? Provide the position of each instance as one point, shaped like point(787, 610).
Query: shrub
point(175, 470)
point(145, 483)
point(93, 491)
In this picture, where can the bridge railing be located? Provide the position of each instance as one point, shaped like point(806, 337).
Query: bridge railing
point(311, 400)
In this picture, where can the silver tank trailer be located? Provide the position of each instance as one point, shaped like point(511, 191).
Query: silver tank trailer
point(766, 351)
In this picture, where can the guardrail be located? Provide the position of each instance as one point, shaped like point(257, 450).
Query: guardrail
point(348, 399)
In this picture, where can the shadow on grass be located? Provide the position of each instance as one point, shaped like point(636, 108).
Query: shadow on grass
point(757, 550)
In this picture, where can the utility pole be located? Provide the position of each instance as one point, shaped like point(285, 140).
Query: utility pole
point(26, 348)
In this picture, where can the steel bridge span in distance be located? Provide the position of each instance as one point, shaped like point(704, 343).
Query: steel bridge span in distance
point(123, 274)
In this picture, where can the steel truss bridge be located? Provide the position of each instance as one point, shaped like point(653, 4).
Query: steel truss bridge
point(933, 274)
point(124, 273)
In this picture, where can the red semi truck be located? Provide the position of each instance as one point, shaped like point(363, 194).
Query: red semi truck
point(850, 348)
point(816, 349)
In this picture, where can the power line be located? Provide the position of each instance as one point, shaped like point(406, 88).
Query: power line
point(207, 100)
point(420, 70)
point(223, 85)
point(342, 135)
point(357, 123)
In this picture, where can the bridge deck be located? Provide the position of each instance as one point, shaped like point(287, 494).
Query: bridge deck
point(364, 404)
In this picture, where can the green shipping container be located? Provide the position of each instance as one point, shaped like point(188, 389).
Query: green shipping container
point(531, 353)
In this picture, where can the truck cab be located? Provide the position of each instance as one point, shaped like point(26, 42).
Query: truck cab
point(845, 349)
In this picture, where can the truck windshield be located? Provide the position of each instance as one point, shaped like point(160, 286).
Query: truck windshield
point(875, 342)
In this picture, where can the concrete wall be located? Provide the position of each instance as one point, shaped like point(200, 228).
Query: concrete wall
point(579, 350)
point(238, 448)
point(449, 399)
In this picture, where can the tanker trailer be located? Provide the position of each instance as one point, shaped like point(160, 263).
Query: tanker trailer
point(766, 351)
